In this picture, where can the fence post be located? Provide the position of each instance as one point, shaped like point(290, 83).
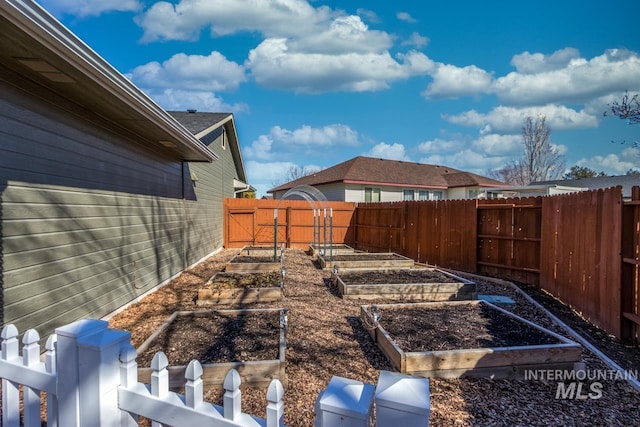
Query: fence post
point(30, 358)
point(50, 366)
point(88, 373)
point(232, 404)
point(99, 369)
point(275, 407)
point(10, 391)
point(128, 378)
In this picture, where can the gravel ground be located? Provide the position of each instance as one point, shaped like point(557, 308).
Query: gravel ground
point(326, 338)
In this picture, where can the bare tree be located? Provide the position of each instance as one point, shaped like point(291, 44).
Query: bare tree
point(295, 172)
point(540, 161)
point(627, 109)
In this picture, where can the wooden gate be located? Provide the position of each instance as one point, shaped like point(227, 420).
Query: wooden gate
point(240, 228)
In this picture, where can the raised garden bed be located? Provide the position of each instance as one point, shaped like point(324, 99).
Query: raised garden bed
point(318, 250)
point(366, 260)
point(252, 341)
point(256, 259)
point(465, 339)
point(242, 288)
point(418, 284)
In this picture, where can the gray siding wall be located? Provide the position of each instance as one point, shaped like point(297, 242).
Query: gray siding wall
point(89, 220)
point(205, 212)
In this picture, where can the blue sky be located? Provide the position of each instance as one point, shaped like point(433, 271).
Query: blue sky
point(315, 83)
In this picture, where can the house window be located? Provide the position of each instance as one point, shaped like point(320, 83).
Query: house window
point(223, 139)
point(473, 194)
point(408, 195)
point(430, 195)
point(371, 194)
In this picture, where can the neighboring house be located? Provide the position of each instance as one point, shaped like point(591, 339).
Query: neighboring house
point(367, 179)
point(103, 194)
point(563, 186)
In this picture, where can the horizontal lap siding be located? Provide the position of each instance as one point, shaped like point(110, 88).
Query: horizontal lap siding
point(89, 220)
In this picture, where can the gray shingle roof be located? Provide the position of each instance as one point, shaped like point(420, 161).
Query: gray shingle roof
point(196, 122)
point(626, 181)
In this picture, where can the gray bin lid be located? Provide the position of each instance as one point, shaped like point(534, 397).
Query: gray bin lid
point(402, 392)
point(347, 397)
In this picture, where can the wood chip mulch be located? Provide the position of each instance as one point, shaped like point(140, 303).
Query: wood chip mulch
point(326, 338)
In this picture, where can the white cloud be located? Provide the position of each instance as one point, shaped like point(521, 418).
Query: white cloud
point(533, 63)
point(273, 18)
point(386, 151)
point(369, 15)
point(346, 34)
point(303, 137)
point(450, 81)
point(85, 8)
point(579, 80)
point(260, 148)
point(467, 160)
point(304, 49)
point(182, 100)
point(194, 72)
point(508, 119)
point(439, 145)
point(273, 65)
point(614, 164)
point(416, 40)
point(325, 136)
point(499, 145)
point(406, 17)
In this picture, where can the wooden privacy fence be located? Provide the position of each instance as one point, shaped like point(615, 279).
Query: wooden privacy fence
point(584, 248)
point(251, 222)
point(570, 245)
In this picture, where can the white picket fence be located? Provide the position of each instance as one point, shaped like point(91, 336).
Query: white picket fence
point(90, 377)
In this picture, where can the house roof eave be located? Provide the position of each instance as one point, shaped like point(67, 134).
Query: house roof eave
point(32, 34)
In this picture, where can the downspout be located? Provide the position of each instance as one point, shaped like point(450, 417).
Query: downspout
point(241, 190)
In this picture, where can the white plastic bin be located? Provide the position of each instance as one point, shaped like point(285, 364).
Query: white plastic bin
point(402, 400)
point(345, 403)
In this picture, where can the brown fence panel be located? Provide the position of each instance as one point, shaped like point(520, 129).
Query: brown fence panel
point(380, 227)
point(630, 328)
point(434, 232)
point(580, 260)
point(251, 222)
point(509, 238)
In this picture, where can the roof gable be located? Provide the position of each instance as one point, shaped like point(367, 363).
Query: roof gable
point(208, 126)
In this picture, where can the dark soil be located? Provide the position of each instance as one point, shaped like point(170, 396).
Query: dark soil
point(396, 277)
point(244, 280)
point(454, 327)
point(364, 257)
point(217, 338)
